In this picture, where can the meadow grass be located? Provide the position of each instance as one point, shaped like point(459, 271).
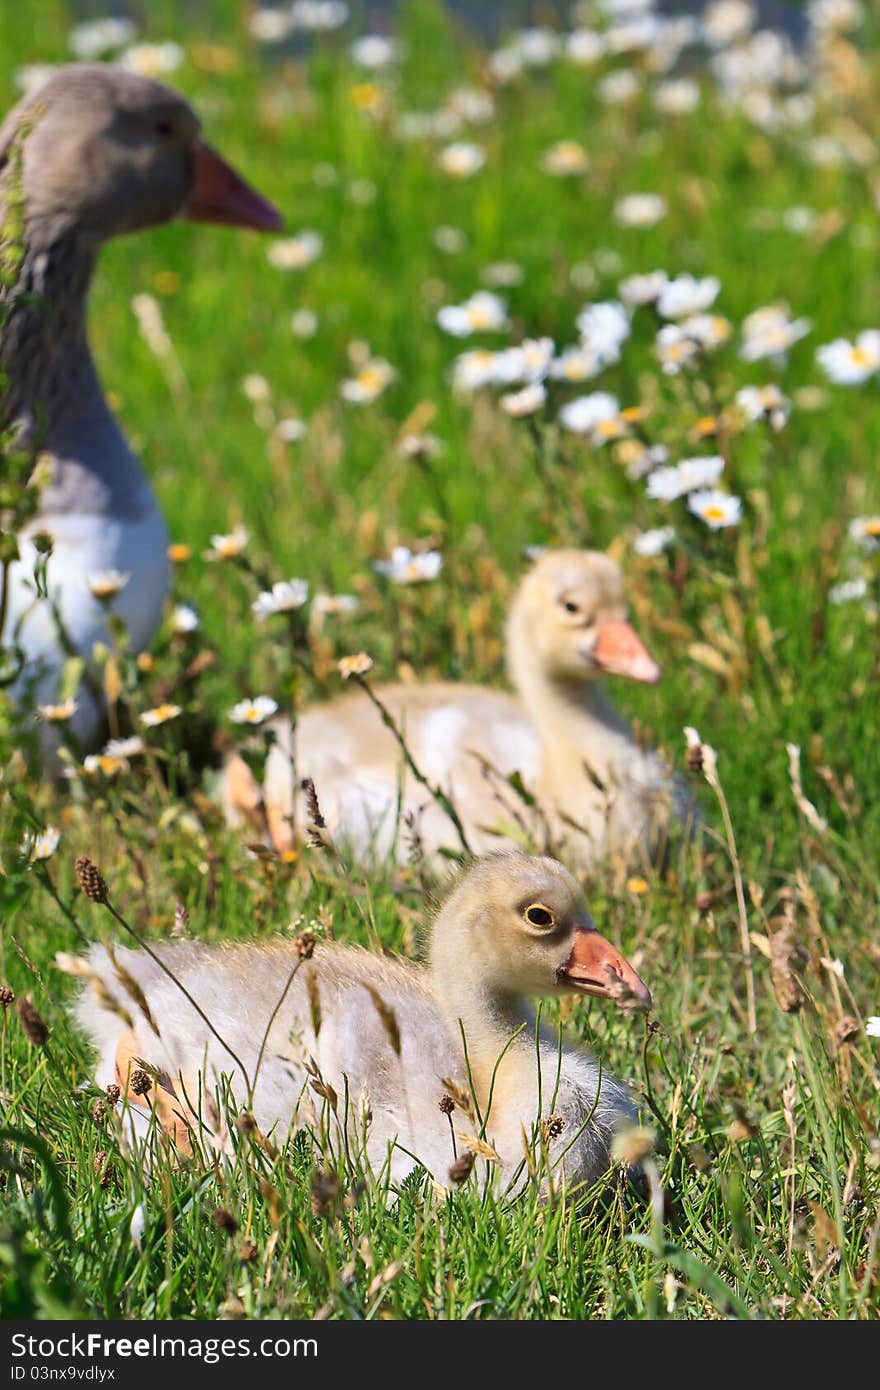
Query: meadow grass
point(767, 1140)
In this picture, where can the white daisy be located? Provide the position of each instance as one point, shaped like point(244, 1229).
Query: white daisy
point(586, 414)
point(849, 364)
point(565, 159)
point(96, 37)
point(533, 358)
point(872, 1027)
point(450, 240)
point(770, 332)
point(319, 16)
point(304, 323)
point(726, 21)
point(375, 51)
point(184, 619)
point(576, 364)
point(58, 714)
point(618, 87)
point(461, 159)
point(675, 349)
point(640, 209)
point(107, 584)
point(333, 604)
point(359, 664)
point(295, 252)
point(32, 76)
point(654, 542)
point(471, 104)
point(270, 26)
point(471, 371)
point(709, 330)
point(38, 847)
point(584, 47)
point(524, 402)
point(638, 290)
point(677, 97)
point(285, 597)
point(108, 765)
point(406, 567)
point(717, 509)
point(130, 747)
point(160, 714)
point(685, 296)
point(255, 711)
point(604, 327)
point(291, 429)
point(850, 591)
point(369, 383)
point(865, 530)
point(152, 59)
point(484, 312)
point(230, 546)
point(667, 484)
point(503, 275)
point(764, 403)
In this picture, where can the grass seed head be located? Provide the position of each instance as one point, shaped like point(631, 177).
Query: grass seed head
point(632, 1145)
point(447, 1104)
point(139, 1082)
point(326, 1190)
point(102, 1168)
point(304, 945)
point(460, 1170)
point(99, 1111)
point(113, 1094)
point(7, 996)
point(224, 1221)
point(552, 1127)
point(33, 1026)
point(90, 880)
point(787, 960)
point(847, 1030)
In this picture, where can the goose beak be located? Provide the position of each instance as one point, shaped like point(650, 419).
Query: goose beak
point(221, 195)
point(620, 652)
point(595, 967)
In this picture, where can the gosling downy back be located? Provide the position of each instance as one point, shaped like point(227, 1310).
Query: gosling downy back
point(595, 790)
point(350, 1040)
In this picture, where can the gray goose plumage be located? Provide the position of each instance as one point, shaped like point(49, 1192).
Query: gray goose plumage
point(104, 152)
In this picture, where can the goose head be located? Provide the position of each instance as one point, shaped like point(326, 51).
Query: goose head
point(569, 622)
point(108, 152)
point(518, 925)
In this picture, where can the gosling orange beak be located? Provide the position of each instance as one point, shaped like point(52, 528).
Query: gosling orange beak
point(595, 967)
point(620, 652)
point(221, 195)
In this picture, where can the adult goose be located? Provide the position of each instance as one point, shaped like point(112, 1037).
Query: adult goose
point(388, 1039)
point(594, 788)
point(102, 152)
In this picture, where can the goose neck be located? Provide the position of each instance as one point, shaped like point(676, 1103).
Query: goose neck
point(44, 348)
point(492, 1022)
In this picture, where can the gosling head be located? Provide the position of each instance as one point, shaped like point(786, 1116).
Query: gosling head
point(570, 620)
point(108, 151)
point(519, 924)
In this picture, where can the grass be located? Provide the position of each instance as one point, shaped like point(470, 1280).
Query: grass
point(767, 1141)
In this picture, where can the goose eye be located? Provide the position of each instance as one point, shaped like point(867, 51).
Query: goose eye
point(164, 128)
point(540, 916)
point(570, 606)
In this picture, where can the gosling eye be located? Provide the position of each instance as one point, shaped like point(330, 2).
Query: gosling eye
point(537, 915)
point(570, 605)
point(164, 128)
